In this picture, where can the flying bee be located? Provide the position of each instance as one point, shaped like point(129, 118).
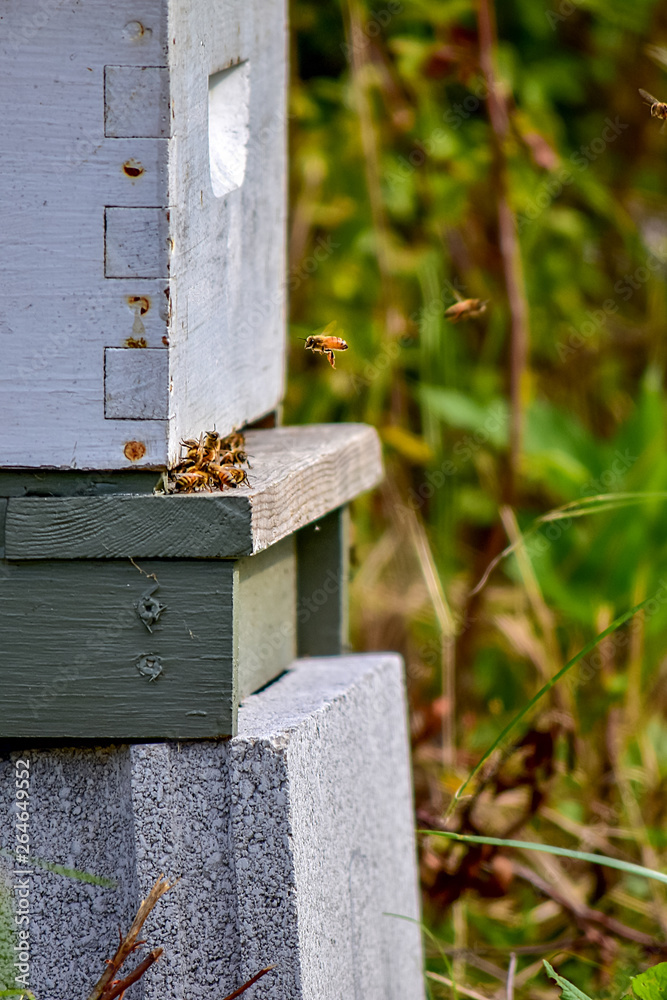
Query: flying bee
point(326, 343)
point(658, 108)
point(228, 475)
point(465, 309)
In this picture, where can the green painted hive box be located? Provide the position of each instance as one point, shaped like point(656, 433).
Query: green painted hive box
point(126, 615)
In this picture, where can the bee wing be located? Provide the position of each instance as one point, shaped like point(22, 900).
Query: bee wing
point(329, 328)
point(648, 97)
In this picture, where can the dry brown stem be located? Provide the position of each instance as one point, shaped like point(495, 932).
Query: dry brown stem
point(583, 914)
point(242, 989)
point(509, 243)
point(117, 987)
point(108, 986)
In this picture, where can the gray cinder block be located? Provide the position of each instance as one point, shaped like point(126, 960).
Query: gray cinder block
point(294, 842)
point(322, 825)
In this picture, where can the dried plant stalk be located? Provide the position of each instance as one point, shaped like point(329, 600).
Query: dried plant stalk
point(107, 987)
point(242, 989)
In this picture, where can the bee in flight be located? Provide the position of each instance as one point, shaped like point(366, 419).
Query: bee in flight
point(326, 343)
point(658, 108)
point(465, 309)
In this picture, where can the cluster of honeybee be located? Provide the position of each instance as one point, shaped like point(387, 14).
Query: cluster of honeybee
point(212, 462)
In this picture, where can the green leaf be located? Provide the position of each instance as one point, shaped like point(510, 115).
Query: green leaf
point(51, 866)
point(570, 992)
point(456, 409)
point(652, 984)
point(562, 852)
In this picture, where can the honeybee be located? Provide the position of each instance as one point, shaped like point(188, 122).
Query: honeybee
point(211, 447)
point(232, 442)
point(209, 462)
point(194, 454)
point(191, 445)
point(326, 343)
point(189, 482)
point(466, 309)
point(658, 108)
point(228, 475)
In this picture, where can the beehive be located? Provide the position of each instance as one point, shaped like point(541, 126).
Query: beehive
point(142, 171)
point(142, 176)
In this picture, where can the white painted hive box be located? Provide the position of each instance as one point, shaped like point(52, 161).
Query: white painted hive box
point(142, 199)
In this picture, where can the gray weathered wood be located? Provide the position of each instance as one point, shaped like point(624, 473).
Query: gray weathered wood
point(221, 310)
point(136, 243)
point(78, 660)
point(136, 102)
point(136, 383)
point(298, 474)
point(322, 589)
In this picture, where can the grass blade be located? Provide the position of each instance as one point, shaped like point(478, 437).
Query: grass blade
point(598, 859)
point(599, 504)
point(616, 624)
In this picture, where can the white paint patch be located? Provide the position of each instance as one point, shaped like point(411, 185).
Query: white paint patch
point(228, 117)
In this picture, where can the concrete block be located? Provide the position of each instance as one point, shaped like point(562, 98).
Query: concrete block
point(294, 841)
point(322, 824)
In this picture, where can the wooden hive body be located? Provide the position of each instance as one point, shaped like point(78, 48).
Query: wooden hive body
point(142, 176)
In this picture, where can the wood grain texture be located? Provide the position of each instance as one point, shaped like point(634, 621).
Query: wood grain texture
point(57, 172)
point(80, 661)
point(136, 102)
point(136, 383)
point(49, 483)
point(228, 266)
point(323, 568)
point(136, 243)
point(298, 475)
point(223, 318)
point(72, 643)
point(3, 516)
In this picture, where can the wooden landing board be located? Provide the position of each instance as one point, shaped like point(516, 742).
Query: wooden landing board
point(298, 475)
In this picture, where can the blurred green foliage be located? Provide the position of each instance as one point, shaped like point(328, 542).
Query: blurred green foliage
point(394, 200)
